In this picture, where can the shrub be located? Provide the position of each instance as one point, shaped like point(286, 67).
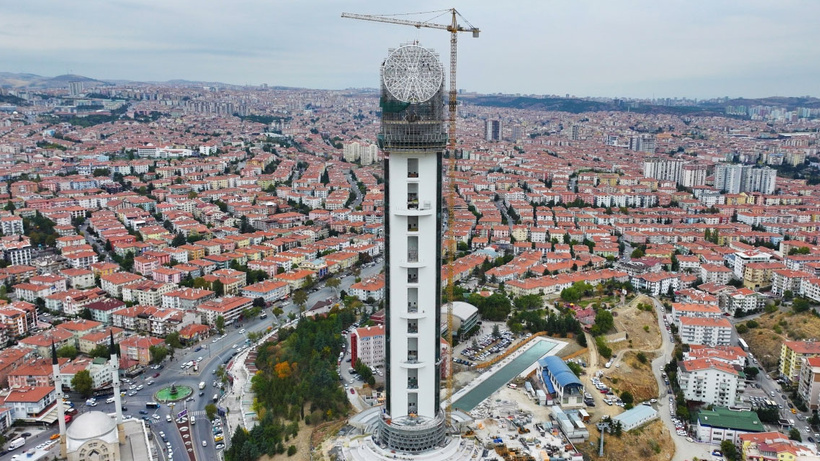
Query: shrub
point(291, 450)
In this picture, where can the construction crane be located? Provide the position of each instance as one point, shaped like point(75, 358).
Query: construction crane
point(453, 28)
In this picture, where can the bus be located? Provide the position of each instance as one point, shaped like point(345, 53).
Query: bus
point(743, 344)
point(151, 405)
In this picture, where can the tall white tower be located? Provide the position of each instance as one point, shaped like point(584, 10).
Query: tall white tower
point(413, 137)
point(114, 363)
point(58, 389)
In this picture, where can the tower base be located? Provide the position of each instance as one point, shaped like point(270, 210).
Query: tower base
point(412, 434)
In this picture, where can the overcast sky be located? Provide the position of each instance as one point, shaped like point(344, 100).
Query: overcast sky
point(628, 48)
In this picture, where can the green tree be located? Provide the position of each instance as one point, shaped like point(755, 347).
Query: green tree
point(801, 305)
point(291, 450)
point(729, 450)
point(575, 368)
point(172, 339)
point(218, 287)
point(529, 302)
point(210, 411)
point(220, 324)
point(300, 298)
point(333, 283)
point(627, 398)
point(101, 350)
point(178, 240)
point(82, 383)
point(637, 253)
point(86, 314)
point(158, 353)
point(68, 351)
point(751, 372)
point(794, 434)
point(603, 322)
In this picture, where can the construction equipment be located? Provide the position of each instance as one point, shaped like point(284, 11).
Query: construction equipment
point(450, 242)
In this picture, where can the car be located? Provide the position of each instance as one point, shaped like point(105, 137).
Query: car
point(204, 443)
point(143, 412)
point(155, 416)
point(352, 391)
point(219, 446)
point(717, 453)
point(198, 349)
point(54, 436)
point(140, 387)
point(162, 434)
point(218, 438)
point(242, 331)
point(183, 429)
point(689, 439)
point(199, 359)
point(810, 439)
point(156, 375)
point(189, 399)
point(201, 394)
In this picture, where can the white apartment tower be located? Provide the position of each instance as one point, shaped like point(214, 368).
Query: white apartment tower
point(663, 169)
point(413, 137)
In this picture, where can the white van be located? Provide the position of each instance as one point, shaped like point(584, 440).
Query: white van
point(109, 400)
point(193, 420)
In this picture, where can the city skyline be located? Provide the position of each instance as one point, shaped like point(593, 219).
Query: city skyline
point(637, 49)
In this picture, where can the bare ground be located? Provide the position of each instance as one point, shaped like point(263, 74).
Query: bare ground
point(766, 339)
point(640, 326)
point(651, 441)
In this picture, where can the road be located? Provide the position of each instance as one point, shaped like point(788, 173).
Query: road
point(213, 355)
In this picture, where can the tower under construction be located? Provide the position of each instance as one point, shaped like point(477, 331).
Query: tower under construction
point(413, 137)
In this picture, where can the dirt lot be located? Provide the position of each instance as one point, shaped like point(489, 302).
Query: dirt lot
point(765, 340)
point(634, 376)
point(648, 442)
point(640, 326)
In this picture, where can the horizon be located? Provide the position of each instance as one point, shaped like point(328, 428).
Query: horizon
point(635, 49)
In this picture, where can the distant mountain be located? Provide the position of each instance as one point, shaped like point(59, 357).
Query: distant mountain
point(12, 80)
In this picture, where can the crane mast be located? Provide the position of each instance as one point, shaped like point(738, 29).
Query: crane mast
point(450, 240)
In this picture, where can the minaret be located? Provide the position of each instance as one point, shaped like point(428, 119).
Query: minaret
point(115, 381)
point(58, 388)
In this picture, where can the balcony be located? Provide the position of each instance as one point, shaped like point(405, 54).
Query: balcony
point(412, 278)
point(412, 307)
point(412, 357)
point(412, 383)
point(412, 328)
point(412, 228)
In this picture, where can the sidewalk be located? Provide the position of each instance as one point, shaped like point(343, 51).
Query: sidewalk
point(238, 400)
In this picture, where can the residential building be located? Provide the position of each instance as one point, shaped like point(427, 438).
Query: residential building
point(712, 382)
point(229, 308)
point(705, 331)
point(135, 349)
point(808, 386)
point(792, 354)
point(368, 345)
point(268, 290)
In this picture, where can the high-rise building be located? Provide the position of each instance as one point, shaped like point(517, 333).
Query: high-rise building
point(728, 178)
point(734, 179)
point(664, 169)
point(492, 130)
point(574, 132)
point(693, 175)
point(413, 137)
point(643, 143)
point(75, 88)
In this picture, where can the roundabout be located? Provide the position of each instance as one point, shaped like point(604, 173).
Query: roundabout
point(173, 393)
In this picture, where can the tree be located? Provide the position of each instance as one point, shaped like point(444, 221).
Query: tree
point(210, 411)
point(300, 298)
point(334, 283)
point(751, 372)
point(729, 450)
point(794, 434)
point(575, 368)
point(801, 305)
point(627, 398)
point(496, 331)
point(82, 383)
point(291, 450)
point(529, 302)
point(101, 350)
point(220, 324)
point(218, 287)
point(158, 353)
point(68, 351)
point(637, 253)
point(259, 302)
point(172, 339)
point(603, 322)
point(178, 240)
point(86, 314)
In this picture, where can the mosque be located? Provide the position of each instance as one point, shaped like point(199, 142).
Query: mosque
point(96, 436)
